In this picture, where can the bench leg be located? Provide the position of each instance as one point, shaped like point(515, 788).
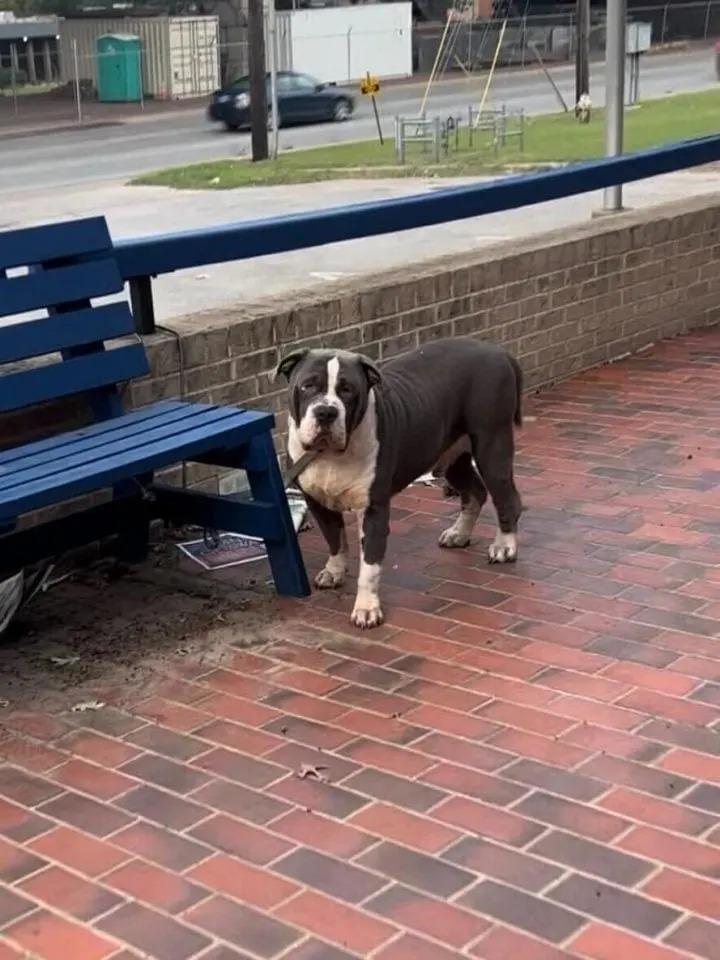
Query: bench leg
point(134, 536)
point(265, 479)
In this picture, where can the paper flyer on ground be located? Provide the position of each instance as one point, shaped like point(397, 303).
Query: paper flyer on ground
point(219, 550)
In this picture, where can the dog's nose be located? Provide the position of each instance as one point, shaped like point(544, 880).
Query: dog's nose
point(326, 415)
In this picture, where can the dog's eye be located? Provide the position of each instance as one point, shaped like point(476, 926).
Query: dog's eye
point(307, 386)
point(344, 389)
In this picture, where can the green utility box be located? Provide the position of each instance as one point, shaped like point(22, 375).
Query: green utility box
point(119, 68)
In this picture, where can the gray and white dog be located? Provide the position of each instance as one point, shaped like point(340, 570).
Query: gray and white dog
point(449, 405)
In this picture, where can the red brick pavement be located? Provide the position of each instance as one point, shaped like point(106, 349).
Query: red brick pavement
point(524, 762)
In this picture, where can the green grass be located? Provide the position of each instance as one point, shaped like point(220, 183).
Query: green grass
point(550, 139)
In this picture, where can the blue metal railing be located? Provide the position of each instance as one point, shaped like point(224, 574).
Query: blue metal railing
point(146, 257)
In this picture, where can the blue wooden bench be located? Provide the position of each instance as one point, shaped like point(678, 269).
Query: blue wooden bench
point(90, 350)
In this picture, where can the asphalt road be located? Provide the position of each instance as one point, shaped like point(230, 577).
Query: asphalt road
point(89, 156)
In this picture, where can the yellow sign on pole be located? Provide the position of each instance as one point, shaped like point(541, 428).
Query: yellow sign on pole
point(369, 86)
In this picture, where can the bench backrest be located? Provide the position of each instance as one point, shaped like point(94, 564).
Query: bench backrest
point(69, 264)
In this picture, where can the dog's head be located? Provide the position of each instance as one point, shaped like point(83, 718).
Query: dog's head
point(329, 392)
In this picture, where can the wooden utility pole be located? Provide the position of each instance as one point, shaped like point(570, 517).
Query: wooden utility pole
point(582, 48)
point(258, 82)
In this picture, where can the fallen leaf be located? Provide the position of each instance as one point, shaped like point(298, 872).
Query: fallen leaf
point(63, 661)
point(309, 771)
point(88, 705)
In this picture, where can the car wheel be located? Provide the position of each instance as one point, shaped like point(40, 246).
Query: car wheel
point(269, 119)
point(342, 111)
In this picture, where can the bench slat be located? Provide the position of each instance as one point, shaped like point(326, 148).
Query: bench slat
point(76, 375)
point(60, 331)
point(93, 433)
point(49, 288)
point(34, 245)
point(135, 435)
point(232, 431)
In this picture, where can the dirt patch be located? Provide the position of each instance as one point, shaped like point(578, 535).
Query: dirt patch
point(107, 632)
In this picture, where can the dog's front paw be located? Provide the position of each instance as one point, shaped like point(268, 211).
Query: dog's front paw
point(452, 537)
point(329, 579)
point(503, 549)
point(366, 617)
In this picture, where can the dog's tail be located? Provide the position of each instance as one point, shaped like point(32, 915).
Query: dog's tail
point(517, 370)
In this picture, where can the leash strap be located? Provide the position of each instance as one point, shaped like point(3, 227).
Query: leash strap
point(295, 469)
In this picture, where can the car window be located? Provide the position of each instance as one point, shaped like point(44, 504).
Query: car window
point(284, 83)
point(304, 83)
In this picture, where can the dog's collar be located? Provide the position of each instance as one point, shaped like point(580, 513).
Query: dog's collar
point(296, 468)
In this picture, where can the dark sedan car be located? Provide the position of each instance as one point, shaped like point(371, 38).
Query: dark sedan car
point(301, 99)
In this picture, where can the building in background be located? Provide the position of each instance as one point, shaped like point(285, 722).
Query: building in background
point(340, 44)
point(28, 49)
point(179, 56)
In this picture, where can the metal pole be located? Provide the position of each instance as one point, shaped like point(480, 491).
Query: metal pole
point(141, 300)
point(258, 80)
point(140, 79)
point(76, 69)
point(582, 49)
point(13, 83)
point(664, 24)
point(377, 119)
point(558, 94)
point(614, 94)
point(272, 31)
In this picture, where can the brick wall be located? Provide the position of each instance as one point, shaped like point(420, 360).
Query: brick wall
point(561, 302)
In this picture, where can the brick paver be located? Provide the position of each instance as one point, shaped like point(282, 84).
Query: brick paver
point(523, 762)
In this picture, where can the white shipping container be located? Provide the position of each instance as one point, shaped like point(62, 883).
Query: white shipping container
point(179, 54)
point(194, 63)
point(341, 44)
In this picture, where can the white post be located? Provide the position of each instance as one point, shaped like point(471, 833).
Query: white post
point(30, 60)
point(76, 69)
point(443, 38)
point(349, 54)
point(614, 94)
point(273, 58)
point(492, 72)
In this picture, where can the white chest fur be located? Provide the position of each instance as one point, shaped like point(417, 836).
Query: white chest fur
point(341, 481)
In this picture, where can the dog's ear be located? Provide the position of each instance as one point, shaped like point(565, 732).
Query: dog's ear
point(288, 363)
point(372, 373)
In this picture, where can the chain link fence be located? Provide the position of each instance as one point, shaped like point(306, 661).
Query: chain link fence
point(66, 84)
point(471, 44)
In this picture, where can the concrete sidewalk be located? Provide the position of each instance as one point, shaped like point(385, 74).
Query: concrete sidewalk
point(135, 211)
point(522, 763)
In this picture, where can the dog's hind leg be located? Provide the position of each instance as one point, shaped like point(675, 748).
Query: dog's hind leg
point(462, 476)
point(494, 456)
point(332, 527)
